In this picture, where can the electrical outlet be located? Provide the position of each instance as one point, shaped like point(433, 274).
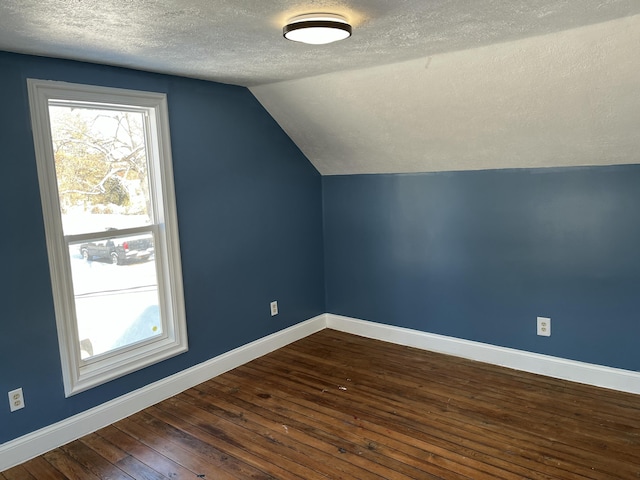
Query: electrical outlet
point(16, 399)
point(274, 308)
point(544, 326)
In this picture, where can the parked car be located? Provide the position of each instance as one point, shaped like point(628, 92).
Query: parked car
point(119, 250)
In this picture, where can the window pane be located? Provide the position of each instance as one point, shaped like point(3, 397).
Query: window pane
point(115, 289)
point(101, 168)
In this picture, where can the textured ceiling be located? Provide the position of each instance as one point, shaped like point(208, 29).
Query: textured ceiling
point(421, 85)
point(564, 99)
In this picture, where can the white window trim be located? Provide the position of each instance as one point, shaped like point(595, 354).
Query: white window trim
point(80, 375)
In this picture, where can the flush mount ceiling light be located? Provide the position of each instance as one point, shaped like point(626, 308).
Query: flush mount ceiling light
point(317, 28)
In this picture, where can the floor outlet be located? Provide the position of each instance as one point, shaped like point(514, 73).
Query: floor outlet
point(16, 399)
point(544, 326)
point(274, 308)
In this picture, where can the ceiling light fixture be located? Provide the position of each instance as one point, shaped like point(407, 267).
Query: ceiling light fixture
point(317, 28)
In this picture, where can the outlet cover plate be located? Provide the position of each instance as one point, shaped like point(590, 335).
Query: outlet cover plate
point(16, 399)
point(544, 326)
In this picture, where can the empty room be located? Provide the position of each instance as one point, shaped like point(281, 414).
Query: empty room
point(325, 239)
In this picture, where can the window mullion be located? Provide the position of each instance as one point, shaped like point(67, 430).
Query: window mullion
point(109, 233)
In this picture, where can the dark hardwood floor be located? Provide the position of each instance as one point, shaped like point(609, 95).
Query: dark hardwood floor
point(338, 406)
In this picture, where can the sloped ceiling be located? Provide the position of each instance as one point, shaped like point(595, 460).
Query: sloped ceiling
point(563, 99)
point(421, 85)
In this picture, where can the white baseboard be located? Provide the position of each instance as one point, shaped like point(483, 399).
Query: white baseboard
point(587, 373)
point(36, 443)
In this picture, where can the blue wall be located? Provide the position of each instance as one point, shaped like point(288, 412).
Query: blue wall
point(250, 219)
point(478, 255)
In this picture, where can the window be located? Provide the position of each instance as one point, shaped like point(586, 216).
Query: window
point(106, 182)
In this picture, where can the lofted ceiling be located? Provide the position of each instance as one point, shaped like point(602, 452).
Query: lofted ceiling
point(420, 86)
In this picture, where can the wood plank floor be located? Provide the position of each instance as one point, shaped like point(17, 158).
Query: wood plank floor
point(338, 406)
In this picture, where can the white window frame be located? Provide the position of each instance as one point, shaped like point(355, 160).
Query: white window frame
point(78, 374)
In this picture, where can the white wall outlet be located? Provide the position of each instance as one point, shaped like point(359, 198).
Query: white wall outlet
point(544, 326)
point(16, 399)
point(274, 308)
